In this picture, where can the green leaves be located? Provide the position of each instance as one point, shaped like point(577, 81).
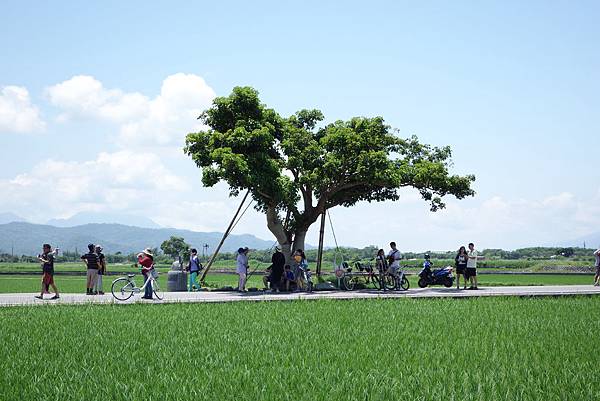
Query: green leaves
point(286, 160)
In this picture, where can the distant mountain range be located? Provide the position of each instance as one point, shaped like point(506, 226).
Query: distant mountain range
point(103, 218)
point(27, 239)
point(590, 240)
point(9, 218)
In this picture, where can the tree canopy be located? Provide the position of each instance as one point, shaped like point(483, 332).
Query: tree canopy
point(296, 168)
point(175, 247)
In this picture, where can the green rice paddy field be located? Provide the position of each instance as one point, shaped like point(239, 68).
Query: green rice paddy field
point(401, 349)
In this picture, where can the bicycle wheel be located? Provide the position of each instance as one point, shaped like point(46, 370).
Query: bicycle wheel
point(389, 281)
point(376, 282)
point(404, 283)
point(348, 283)
point(156, 289)
point(122, 289)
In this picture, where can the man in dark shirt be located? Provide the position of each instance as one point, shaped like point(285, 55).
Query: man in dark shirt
point(278, 262)
point(91, 261)
point(101, 270)
point(47, 259)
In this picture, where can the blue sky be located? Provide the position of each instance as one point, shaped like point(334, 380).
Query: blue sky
point(96, 99)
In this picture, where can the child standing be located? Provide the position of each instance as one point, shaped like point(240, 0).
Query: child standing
point(288, 277)
point(47, 260)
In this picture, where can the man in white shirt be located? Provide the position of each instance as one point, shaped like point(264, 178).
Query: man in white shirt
point(394, 257)
point(242, 267)
point(597, 265)
point(472, 266)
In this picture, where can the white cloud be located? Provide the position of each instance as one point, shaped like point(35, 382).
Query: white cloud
point(120, 181)
point(161, 121)
point(17, 113)
point(85, 96)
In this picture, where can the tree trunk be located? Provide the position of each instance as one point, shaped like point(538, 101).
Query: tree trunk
point(284, 239)
point(299, 238)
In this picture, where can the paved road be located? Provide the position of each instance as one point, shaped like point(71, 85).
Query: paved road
point(214, 296)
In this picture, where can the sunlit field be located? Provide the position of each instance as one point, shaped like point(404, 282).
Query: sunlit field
point(442, 349)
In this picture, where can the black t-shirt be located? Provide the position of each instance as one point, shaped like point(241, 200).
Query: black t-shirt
point(278, 260)
point(101, 261)
point(92, 260)
point(48, 267)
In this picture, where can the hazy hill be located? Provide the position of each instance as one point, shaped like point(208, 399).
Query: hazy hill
point(591, 241)
point(82, 218)
point(27, 238)
point(9, 218)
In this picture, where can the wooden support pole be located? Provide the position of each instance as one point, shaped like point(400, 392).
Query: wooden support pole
point(225, 235)
point(320, 251)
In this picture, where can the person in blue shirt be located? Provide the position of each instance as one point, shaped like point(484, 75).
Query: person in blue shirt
point(194, 267)
point(288, 278)
point(427, 262)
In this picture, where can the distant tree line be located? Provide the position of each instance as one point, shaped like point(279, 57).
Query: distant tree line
point(174, 247)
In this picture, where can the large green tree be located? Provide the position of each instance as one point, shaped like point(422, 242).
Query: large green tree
point(296, 169)
point(175, 247)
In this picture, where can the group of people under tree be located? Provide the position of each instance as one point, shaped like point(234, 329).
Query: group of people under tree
point(279, 276)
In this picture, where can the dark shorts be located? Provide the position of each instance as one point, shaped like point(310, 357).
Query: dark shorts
point(598, 270)
point(471, 272)
point(460, 269)
point(47, 278)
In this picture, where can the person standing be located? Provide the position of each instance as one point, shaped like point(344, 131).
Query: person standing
point(472, 266)
point(242, 268)
point(278, 264)
point(101, 270)
point(381, 261)
point(300, 268)
point(146, 260)
point(47, 259)
point(194, 268)
point(461, 266)
point(394, 257)
point(91, 261)
point(597, 264)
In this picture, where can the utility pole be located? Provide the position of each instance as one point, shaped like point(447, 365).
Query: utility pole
point(205, 250)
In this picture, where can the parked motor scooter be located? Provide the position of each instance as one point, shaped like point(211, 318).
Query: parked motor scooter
point(428, 277)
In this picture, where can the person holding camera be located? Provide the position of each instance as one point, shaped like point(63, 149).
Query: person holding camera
point(91, 261)
point(47, 260)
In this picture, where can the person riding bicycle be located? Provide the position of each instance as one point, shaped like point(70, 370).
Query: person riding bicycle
point(146, 260)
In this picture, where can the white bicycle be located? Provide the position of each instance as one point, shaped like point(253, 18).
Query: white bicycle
point(123, 288)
